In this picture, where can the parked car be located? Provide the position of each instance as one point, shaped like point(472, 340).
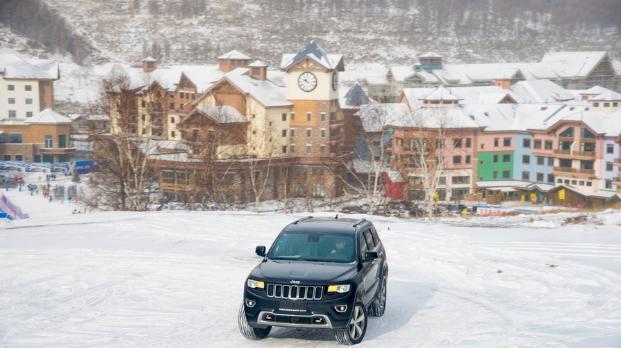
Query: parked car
point(320, 273)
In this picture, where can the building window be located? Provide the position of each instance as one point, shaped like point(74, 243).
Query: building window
point(506, 158)
point(284, 133)
point(506, 142)
point(308, 132)
point(589, 184)
point(550, 178)
point(172, 120)
point(323, 116)
point(526, 159)
point(460, 180)
point(540, 177)
point(11, 100)
point(526, 176)
point(284, 149)
point(537, 144)
point(609, 166)
point(15, 138)
point(172, 105)
point(495, 159)
point(28, 101)
point(495, 174)
point(12, 113)
point(506, 174)
point(595, 105)
point(541, 160)
point(309, 116)
point(293, 116)
point(608, 183)
point(468, 159)
point(323, 133)
point(526, 143)
point(457, 143)
point(496, 141)
point(456, 159)
point(292, 132)
point(322, 149)
point(172, 134)
point(11, 87)
point(610, 148)
point(333, 116)
point(62, 141)
point(28, 113)
point(292, 148)
point(48, 141)
point(19, 158)
point(548, 145)
point(7, 157)
point(468, 143)
point(284, 116)
point(442, 180)
point(551, 161)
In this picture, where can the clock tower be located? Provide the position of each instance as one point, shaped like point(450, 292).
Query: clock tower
point(315, 121)
point(312, 88)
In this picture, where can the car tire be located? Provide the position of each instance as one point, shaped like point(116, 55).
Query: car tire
point(248, 331)
point(356, 327)
point(378, 307)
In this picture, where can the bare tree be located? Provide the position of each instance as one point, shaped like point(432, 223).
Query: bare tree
point(365, 167)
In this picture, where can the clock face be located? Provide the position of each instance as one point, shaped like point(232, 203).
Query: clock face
point(307, 81)
point(335, 81)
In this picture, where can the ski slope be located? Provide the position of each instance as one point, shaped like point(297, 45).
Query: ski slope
point(174, 279)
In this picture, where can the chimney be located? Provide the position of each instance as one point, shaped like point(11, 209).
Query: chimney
point(149, 64)
point(503, 83)
point(258, 70)
point(233, 60)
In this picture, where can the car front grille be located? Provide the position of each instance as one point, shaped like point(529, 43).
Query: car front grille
point(295, 292)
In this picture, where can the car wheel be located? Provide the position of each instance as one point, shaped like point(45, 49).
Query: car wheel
point(378, 307)
point(356, 327)
point(247, 330)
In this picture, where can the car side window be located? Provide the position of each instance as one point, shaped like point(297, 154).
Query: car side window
point(369, 239)
point(362, 246)
point(375, 236)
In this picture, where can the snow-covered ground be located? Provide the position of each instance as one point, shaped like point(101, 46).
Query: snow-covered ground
point(174, 279)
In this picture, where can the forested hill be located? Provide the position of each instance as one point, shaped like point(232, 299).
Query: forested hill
point(196, 31)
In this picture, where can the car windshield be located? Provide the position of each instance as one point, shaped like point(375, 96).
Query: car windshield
point(309, 246)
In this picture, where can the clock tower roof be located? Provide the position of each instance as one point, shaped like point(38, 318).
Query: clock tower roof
point(315, 53)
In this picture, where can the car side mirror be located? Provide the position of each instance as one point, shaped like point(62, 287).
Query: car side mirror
point(371, 255)
point(260, 250)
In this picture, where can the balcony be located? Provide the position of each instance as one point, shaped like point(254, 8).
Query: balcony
point(575, 154)
point(56, 150)
point(574, 171)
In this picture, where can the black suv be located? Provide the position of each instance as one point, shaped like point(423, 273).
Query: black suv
point(324, 273)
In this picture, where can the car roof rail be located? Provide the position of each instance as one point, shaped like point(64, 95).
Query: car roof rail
point(302, 219)
point(359, 222)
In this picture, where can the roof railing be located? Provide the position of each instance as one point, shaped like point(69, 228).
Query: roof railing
point(302, 219)
point(359, 222)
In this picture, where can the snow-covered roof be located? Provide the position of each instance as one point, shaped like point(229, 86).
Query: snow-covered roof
point(541, 91)
point(48, 116)
point(202, 76)
point(16, 66)
point(394, 176)
point(234, 54)
point(257, 64)
point(605, 194)
point(602, 94)
point(575, 63)
point(440, 93)
point(354, 98)
point(430, 55)
point(375, 117)
point(149, 59)
point(315, 53)
point(222, 114)
point(502, 183)
point(553, 66)
point(465, 95)
point(269, 92)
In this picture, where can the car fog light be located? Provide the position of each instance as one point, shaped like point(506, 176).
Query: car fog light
point(341, 308)
point(268, 317)
point(250, 303)
point(318, 320)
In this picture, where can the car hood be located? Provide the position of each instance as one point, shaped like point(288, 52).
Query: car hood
point(305, 271)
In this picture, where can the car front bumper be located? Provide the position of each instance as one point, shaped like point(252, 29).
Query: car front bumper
point(318, 314)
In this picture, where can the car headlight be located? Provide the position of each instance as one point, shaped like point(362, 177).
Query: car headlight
point(340, 289)
point(255, 284)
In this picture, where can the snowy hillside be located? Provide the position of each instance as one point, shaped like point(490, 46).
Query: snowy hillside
point(196, 31)
point(174, 279)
